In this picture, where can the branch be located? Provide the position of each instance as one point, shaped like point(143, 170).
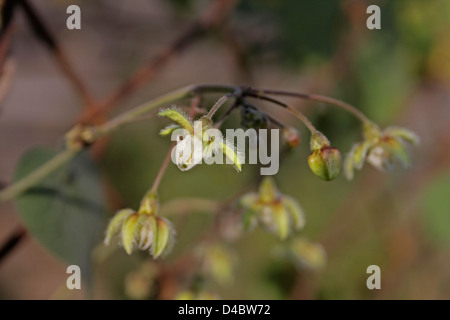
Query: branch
point(44, 35)
point(212, 19)
point(314, 97)
point(18, 235)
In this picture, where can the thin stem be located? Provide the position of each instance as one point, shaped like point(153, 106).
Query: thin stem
point(37, 175)
point(18, 235)
point(315, 97)
point(297, 113)
point(216, 107)
point(161, 171)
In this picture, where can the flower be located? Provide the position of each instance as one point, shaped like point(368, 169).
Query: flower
point(307, 254)
point(199, 140)
point(218, 262)
point(324, 161)
point(279, 213)
point(382, 149)
point(143, 229)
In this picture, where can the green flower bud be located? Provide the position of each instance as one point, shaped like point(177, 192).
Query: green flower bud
point(325, 163)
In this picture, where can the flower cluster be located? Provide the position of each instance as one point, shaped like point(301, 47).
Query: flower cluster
point(142, 229)
point(278, 213)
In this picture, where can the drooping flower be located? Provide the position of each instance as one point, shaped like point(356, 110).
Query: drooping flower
point(280, 214)
point(307, 254)
point(381, 148)
point(141, 283)
point(143, 229)
point(218, 262)
point(198, 141)
point(324, 161)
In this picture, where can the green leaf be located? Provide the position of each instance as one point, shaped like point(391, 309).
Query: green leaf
point(65, 211)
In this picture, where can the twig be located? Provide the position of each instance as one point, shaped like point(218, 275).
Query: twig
point(213, 18)
point(161, 171)
point(314, 97)
point(297, 113)
point(44, 34)
point(6, 75)
point(11, 243)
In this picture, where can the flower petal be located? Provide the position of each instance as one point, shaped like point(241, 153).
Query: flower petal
point(115, 224)
point(179, 116)
point(360, 153)
point(166, 131)
point(249, 200)
point(164, 233)
point(296, 211)
point(268, 191)
point(281, 218)
point(230, 153)
point(402, 133)
point(129, 232)
point(349, 164)
point(398, 150)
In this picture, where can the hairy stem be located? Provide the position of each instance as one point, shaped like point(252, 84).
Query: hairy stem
point(216, 107)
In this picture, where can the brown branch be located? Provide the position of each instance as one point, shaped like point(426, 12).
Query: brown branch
point(212, 19)
point(44, 34)
point(6, 65)
point(11, 243)
point(5, 42)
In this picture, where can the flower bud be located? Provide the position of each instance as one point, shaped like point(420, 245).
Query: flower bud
point(325, 163)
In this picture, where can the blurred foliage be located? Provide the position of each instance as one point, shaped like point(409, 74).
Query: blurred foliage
point(66, 211)
point(436, 217)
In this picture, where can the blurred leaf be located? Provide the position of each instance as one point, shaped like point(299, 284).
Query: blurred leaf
point(65, 211)
point(386, 79)
point(283, 28)
point(435, 202)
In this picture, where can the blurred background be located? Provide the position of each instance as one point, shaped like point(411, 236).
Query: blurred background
point(399, 75)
